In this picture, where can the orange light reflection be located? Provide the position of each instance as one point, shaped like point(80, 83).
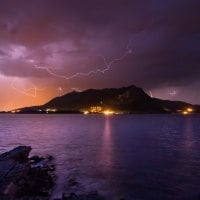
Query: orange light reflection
point(106, 155)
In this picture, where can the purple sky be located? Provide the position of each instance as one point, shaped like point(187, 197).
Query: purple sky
point(51, 47)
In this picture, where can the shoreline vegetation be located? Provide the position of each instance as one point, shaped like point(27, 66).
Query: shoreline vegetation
point(32, 178)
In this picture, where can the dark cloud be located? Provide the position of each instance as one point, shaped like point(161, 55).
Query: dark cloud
point(69, 37)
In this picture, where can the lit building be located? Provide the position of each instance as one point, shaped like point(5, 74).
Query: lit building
point(85, 112)
point(50, 110)
point(187, 111)
point(108, 112)
point(15, 111)
point(96, 109)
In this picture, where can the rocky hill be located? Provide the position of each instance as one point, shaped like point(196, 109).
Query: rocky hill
point(129, 99)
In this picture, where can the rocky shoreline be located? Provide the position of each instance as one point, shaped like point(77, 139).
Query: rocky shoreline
point(32, 178)
point(23, 178)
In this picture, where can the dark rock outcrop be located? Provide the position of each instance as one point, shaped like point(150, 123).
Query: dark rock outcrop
point(89, 196)
point(21, 180)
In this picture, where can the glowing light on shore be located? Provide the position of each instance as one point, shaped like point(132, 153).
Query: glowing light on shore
point(189, 109)
point(86, 112)
point(51, 110)
point(15, 111)
point(185, 113)
point(108, 112)
point(96, 109)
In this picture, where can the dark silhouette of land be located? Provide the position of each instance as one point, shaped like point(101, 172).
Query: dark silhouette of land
point(129, 99)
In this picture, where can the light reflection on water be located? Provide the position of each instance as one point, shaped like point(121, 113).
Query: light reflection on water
point(106, 159)
point(130, 156)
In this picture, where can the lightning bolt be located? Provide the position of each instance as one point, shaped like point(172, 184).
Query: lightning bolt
point(107, 66)
point(50, 70)
point(76, 89)
point(151, 95)
point(31, 92)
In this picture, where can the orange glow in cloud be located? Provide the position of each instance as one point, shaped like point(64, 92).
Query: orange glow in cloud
point(21, 94)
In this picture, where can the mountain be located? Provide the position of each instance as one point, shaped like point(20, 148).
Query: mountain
point(129, 99)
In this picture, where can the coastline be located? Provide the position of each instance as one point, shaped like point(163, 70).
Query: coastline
point(32, 178)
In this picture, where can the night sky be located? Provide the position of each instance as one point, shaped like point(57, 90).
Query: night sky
point(51, 47)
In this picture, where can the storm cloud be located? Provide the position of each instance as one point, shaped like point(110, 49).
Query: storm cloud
point(160, 42)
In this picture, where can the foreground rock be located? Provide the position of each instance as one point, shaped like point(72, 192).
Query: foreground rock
point(23, 178)
point(89, 196)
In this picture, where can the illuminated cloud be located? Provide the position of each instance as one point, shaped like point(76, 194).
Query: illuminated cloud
point(69, 37)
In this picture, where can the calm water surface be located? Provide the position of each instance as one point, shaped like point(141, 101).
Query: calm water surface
point(131, 156)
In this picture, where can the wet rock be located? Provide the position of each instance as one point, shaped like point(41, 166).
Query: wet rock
point(71, 196)
point(37, 183)
point(36, 159)
point(19, 154)
point(72, 182)
point(50, 157)
point(13, 167)
point(20, 180)
point(89, 196)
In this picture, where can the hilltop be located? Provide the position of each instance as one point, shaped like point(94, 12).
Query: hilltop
point(129, 99)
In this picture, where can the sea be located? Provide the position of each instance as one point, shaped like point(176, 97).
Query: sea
point(135, 157)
